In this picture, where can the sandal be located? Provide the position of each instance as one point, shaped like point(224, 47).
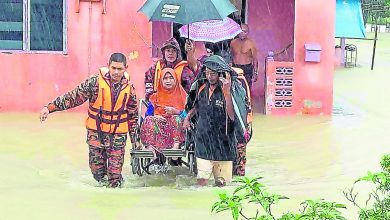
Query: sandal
point(220, 182)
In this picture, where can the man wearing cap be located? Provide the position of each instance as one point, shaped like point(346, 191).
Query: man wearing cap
point(172, 59)
point(214, 134)
point(197, 64)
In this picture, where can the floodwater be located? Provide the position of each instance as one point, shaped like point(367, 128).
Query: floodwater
point(45, 171)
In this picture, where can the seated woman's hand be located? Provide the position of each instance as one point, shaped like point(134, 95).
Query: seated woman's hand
point(186, 123)
point(160, 118)
point(171, 111)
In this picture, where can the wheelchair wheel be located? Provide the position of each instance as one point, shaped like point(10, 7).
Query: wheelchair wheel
point(135, 166)
point(192, 163)
point(139, 170)
point(145, 163)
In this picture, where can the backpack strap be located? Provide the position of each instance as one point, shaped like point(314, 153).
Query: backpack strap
point(201, 88)
point(237, 111)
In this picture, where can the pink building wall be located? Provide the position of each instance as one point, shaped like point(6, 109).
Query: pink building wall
point(161, 31)
point(313, 86)
point(29, 81)
point(276, 23)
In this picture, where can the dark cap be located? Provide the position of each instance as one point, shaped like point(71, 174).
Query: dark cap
point(172, 42)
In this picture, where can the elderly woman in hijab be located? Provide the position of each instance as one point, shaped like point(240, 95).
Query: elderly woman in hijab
point(162, 127)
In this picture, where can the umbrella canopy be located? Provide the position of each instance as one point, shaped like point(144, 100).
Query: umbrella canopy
point(212, 30)
point(187, 11)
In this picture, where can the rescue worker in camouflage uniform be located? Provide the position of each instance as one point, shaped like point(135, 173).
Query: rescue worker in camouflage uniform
point(112, 114)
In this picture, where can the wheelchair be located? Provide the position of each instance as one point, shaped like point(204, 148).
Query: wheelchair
point(143, 159)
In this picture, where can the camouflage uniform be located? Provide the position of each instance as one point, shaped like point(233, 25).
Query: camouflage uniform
point(105, 157)
point(240, 162)
point(111, 151)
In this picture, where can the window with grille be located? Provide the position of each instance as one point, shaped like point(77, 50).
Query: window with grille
point(32, 25)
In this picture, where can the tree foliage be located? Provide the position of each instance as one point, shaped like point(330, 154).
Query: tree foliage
point(375, 11)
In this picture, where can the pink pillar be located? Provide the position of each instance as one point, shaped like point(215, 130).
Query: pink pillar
point(313, 85)
point(302, 87)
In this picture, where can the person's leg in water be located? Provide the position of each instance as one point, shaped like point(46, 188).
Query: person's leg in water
point(240, 162)
point(205, 169)
point(115, 157)
point(98, 164)
point(202, 182)
point(222, 171)
point(97, 158)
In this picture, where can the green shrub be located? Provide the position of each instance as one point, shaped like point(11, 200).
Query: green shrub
point(252, 191)
point(377, 205)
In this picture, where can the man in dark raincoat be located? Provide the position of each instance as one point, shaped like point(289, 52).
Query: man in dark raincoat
point(215, 149)
point(196, 65)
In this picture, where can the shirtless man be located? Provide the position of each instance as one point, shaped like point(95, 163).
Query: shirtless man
point(244, 54)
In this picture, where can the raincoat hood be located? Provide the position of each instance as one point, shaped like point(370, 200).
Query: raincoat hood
point(172, 42)
point(217, 64)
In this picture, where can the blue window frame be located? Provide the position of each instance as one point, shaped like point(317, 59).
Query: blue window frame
point(33, 25)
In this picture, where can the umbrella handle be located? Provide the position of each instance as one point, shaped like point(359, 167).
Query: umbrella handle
point(188, 31)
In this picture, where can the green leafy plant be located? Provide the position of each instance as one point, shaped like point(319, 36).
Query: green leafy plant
point(379, 199)
point(252, 191)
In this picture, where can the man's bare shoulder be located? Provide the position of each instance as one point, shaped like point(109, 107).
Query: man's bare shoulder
point(244, 42)
point(234, 41)
point(251, 42)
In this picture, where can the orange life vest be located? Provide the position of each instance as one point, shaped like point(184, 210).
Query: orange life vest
point(178, 69)
point(105, 116)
